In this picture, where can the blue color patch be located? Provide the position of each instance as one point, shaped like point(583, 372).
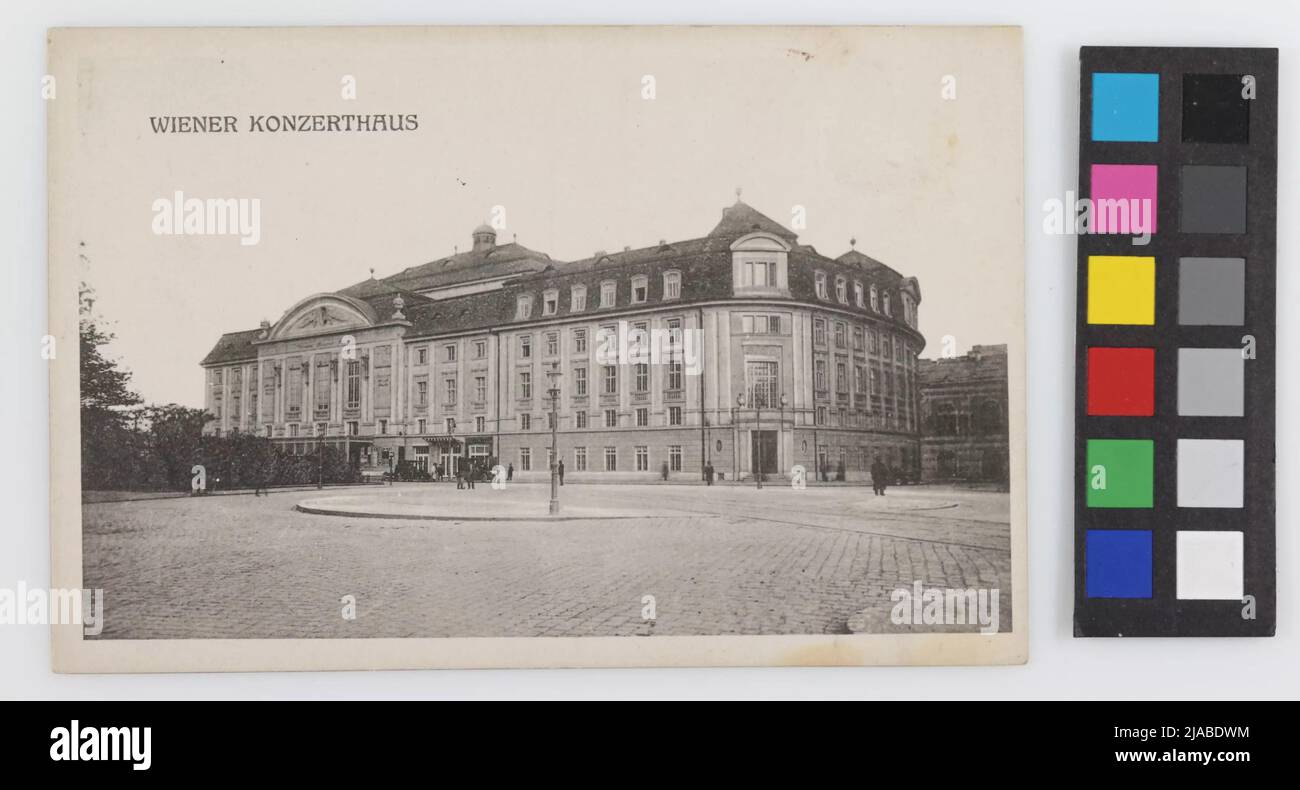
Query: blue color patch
point(1118, 563)
point(1125, 108)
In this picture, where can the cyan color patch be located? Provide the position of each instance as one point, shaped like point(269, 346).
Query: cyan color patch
point(1118, 563)
point(1125, 108)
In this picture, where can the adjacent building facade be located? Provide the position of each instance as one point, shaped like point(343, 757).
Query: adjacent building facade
point(964, 417)
point(742, 349)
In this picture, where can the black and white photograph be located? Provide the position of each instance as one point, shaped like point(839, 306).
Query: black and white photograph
point(538, 347)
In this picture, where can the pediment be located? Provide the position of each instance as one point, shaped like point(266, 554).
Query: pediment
point(323, 315)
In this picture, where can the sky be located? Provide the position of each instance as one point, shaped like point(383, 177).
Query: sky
point(908, 140)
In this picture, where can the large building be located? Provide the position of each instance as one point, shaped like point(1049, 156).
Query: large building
point(964, 416)
point(764, 354)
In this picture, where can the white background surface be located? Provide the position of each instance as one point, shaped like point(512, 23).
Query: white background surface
point(1059, 665)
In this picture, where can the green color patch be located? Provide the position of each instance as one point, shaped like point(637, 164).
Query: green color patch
point(1119, 472)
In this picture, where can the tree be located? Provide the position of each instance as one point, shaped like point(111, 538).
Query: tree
point(109, 452)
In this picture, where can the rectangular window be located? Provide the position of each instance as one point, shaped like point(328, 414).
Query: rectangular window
point(840, 335)
point(449, 384)
point(580, 382)
point(293, 429)
point(354, 428)
point(480, 424)
point(640, 290)
point(821, 285)
point(642, 458)
point(841, 377)
point(760, 274)
point(550, 302)
point(674, 375)
point(577, 299)
point(525, 384)
point(421, 356)
point(580, 459)
point(421, 392)
point(675, 415)
point(525, 459)
point(858, 297)
point(610, 374)
point(642, 380)
point(526, 347)
point(480, 388)
point(675, 458)
point(611, 418)
point(821, 415)
point(525, 307)
point(420, 426)
point(579, 341)
point(480, 349)
point(642, 417)
point(552, 343)
point(525, 422)
point(760, 382)
point(449, 425)
point(354, 385)
point(449, 354)
point(819, 374)
point(607, 294)
point(672, 285)
point(383, 427)
point(841, 290)
point(857, 338)
point(611, 459)
point(582, 419)
point(819, 331)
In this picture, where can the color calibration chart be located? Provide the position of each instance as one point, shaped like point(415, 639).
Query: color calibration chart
point(1176, 346)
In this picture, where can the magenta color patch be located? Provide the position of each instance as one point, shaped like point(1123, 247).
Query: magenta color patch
point(1124, 199)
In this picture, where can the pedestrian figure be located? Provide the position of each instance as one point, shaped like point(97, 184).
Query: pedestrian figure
point(460, 479)
point(469, 478)
point(510, 471)
point(708, 474)
point(663, 471)
point(559, 470)
point(879, 472)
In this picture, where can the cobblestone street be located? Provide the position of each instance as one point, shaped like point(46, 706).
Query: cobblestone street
point(721, 560)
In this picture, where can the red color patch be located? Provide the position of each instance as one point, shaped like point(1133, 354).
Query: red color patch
point(1121, 382)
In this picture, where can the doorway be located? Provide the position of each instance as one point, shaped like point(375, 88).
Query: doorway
point(763, 451)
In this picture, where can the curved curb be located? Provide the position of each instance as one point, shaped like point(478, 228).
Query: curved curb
point(320, 511)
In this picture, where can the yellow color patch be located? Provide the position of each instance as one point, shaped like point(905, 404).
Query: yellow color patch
point(1121, 290)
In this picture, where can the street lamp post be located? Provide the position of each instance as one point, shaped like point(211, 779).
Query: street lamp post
point(554, 391)
point(780, 428)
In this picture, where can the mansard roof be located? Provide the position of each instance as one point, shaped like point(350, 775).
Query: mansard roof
point(233, 347)
point(741, 219)
point(705, 264)
point(484, 264)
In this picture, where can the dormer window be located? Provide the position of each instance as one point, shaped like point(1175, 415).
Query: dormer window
point(888, 310)
point(759, 264)
point(524, 308)
point(550, 302)
point(875, 299)
point(821, 285)
point(842, 290)
point(608, 293)
point(672, 285)
point(858, 297)
point(640, 289)
point(578, 299)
